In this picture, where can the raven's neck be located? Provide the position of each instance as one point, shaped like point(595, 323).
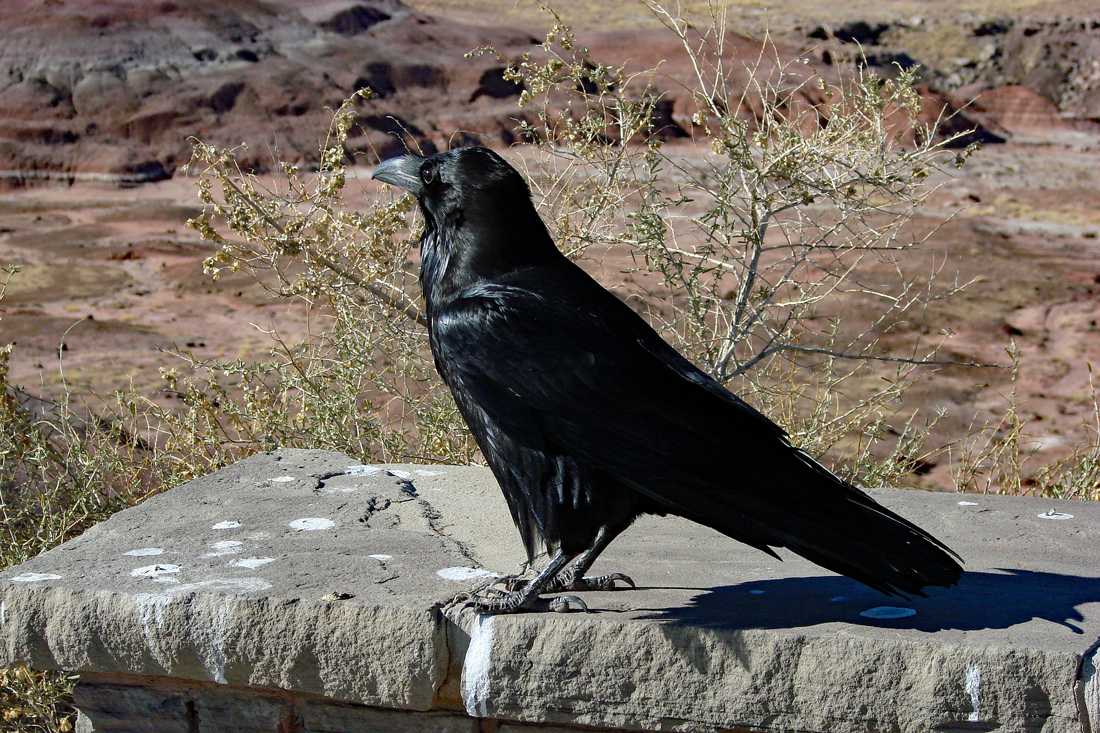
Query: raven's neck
point(471, 248)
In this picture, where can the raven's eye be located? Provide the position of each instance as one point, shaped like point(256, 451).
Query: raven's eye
point(427, 175)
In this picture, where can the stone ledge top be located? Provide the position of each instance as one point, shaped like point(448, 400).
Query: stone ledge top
point(306, 571)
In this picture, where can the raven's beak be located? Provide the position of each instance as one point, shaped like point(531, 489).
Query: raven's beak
point(403, 172)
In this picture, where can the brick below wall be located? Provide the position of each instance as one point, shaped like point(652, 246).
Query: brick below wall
point(110, 703)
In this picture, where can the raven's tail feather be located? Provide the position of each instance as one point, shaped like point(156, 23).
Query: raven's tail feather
point(824, 519)
point(880, 549)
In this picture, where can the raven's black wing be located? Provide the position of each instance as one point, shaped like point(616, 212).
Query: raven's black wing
point(563, 367)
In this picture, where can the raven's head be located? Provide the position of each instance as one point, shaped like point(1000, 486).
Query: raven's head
point(453, 185)
point(479, 219)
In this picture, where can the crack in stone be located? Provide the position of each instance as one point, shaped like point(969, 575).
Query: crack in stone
point(431, 516)
point(375, 505)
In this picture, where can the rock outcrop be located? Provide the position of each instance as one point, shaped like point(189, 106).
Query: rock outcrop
point(117, 91)
point(1016, 76)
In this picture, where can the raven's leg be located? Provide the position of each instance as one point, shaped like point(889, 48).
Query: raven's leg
point(572, 577)
point(526, 598)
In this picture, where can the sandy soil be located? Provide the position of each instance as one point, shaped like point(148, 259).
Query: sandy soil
point(756, 16)
point(116, 277)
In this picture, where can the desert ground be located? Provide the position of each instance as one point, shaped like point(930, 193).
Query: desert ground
point(112, 278)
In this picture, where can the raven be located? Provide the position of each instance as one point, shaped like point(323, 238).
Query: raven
point(589, 419)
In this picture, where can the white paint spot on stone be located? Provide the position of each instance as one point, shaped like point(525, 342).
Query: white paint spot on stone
point(250, 562)
point(361, 470)
point(144, 551)
point(968, 503)
point(838, 599)
point(155, 571)
point(888, 612)
point(227, 547)
point(756, 592)
point(465, 573)
point(229, 524)
point(35, 577)
point(398, 473)
point(3, 612)
point(973, 688)
point(311, 523)
point(281, 479)
point(340, 489)
point(1055, 515)
point(381, 558)
point(478, 663)
point(423, 472)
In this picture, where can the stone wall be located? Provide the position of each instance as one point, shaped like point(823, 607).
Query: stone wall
point(301, 591)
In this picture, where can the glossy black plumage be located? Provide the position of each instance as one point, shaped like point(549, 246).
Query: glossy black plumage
point(589, 419)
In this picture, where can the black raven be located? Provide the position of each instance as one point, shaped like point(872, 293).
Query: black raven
point(588, 419)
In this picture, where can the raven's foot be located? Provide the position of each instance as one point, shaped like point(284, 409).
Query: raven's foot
point(498, 602)
point(567, 580)
point(509, 583)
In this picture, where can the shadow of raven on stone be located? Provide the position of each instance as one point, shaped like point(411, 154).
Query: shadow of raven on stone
point(983, 600)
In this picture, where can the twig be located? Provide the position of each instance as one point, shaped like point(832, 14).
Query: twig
point(397, 301)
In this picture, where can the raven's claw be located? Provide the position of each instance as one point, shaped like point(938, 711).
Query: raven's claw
point(565, 581)
point(515, 602)
point(560, 604)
